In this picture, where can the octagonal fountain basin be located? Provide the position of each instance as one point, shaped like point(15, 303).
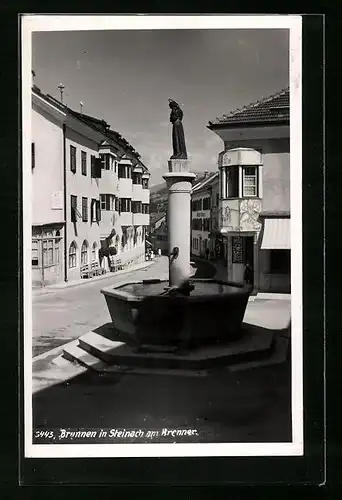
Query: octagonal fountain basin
point(149, 313)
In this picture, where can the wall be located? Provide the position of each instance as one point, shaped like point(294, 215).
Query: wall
point(47, 176)
point(81, 185)
point(276, 182)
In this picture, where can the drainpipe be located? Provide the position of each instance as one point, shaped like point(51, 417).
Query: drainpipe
point(65, 205)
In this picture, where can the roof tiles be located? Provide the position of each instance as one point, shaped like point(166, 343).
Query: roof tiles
point(275, 108)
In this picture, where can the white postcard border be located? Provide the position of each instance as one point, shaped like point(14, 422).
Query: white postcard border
point(32, 23)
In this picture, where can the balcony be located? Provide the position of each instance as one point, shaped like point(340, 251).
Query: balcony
point(145, 196)
point(108, 183)
point(137, 192)
point(125, 188)
point(126, 219)
point(141, 219)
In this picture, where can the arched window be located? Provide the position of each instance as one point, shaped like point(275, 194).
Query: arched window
point(72, 255)
point(93, 251)
point(84, 253)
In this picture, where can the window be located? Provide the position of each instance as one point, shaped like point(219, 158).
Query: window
point(84, 162)
point(145, 208)
point(84, 253)
point(137, 178)
point(206, 224)
point(73, 203)
point(93, 251)
point(125, 205)
point(280, 261)
point(73, 159)
point(232, 176)
point(72, 255)
point(35, 255)
point(98, 211)
point(107, 201)
point(105, 161)
point(145, 183)
point(136, 207)
point(48, 252)
point(124, 172)
point(250, 184)
point(93, 214)
point(197, 205)
point(33, 155)
point(197, 224)
point(95, 167)
point(57, 240)
point(206, 203)
point(84, 209)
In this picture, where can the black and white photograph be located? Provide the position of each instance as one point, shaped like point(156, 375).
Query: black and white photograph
point(162, 204)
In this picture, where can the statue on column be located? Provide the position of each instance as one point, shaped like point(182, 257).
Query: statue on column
point(178, 138)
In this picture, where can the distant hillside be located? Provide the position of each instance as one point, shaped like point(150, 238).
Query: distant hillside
point(158, 195)
point(157, 187)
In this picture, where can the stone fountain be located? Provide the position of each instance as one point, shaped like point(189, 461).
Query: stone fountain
point(184, 312)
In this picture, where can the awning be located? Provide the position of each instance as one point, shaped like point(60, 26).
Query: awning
point(276, 235)
point(148, 243)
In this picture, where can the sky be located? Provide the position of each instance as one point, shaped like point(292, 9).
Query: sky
point(127, 77)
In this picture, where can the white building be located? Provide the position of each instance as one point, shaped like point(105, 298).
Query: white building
point(90, 192)
point(254, 206)
point(204, 210)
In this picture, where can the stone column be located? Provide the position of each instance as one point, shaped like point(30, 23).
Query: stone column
point(179, 181)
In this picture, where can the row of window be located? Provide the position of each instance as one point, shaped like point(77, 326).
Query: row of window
point(84, 254)
point(95, 209)
point(203, 203)
point(106, 162)
point(200, 224)
point(107, 202)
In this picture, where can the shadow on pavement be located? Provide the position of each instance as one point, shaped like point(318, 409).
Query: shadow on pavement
point(245, 406)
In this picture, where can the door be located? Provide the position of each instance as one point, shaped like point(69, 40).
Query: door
point(249, 254)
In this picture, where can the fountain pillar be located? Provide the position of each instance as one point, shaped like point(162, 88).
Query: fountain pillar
point(179, 181)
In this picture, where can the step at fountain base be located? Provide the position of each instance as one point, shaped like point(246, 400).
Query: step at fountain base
point(258, 347)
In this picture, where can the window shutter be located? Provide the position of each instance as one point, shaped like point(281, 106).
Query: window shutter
point(33, 155)
point(98, 210)
point(98, 167)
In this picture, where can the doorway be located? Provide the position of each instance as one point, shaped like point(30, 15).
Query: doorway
point(249, 254)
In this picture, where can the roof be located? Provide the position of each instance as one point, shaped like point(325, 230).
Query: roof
point(275, 109)
point(97, 124)
point(204, 181)
point(157, 217)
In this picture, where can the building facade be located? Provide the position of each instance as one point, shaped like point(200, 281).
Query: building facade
point(90, 205)
point(254, 185)
point(204, 216)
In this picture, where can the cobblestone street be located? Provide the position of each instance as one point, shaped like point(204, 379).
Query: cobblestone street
point(61, 315)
